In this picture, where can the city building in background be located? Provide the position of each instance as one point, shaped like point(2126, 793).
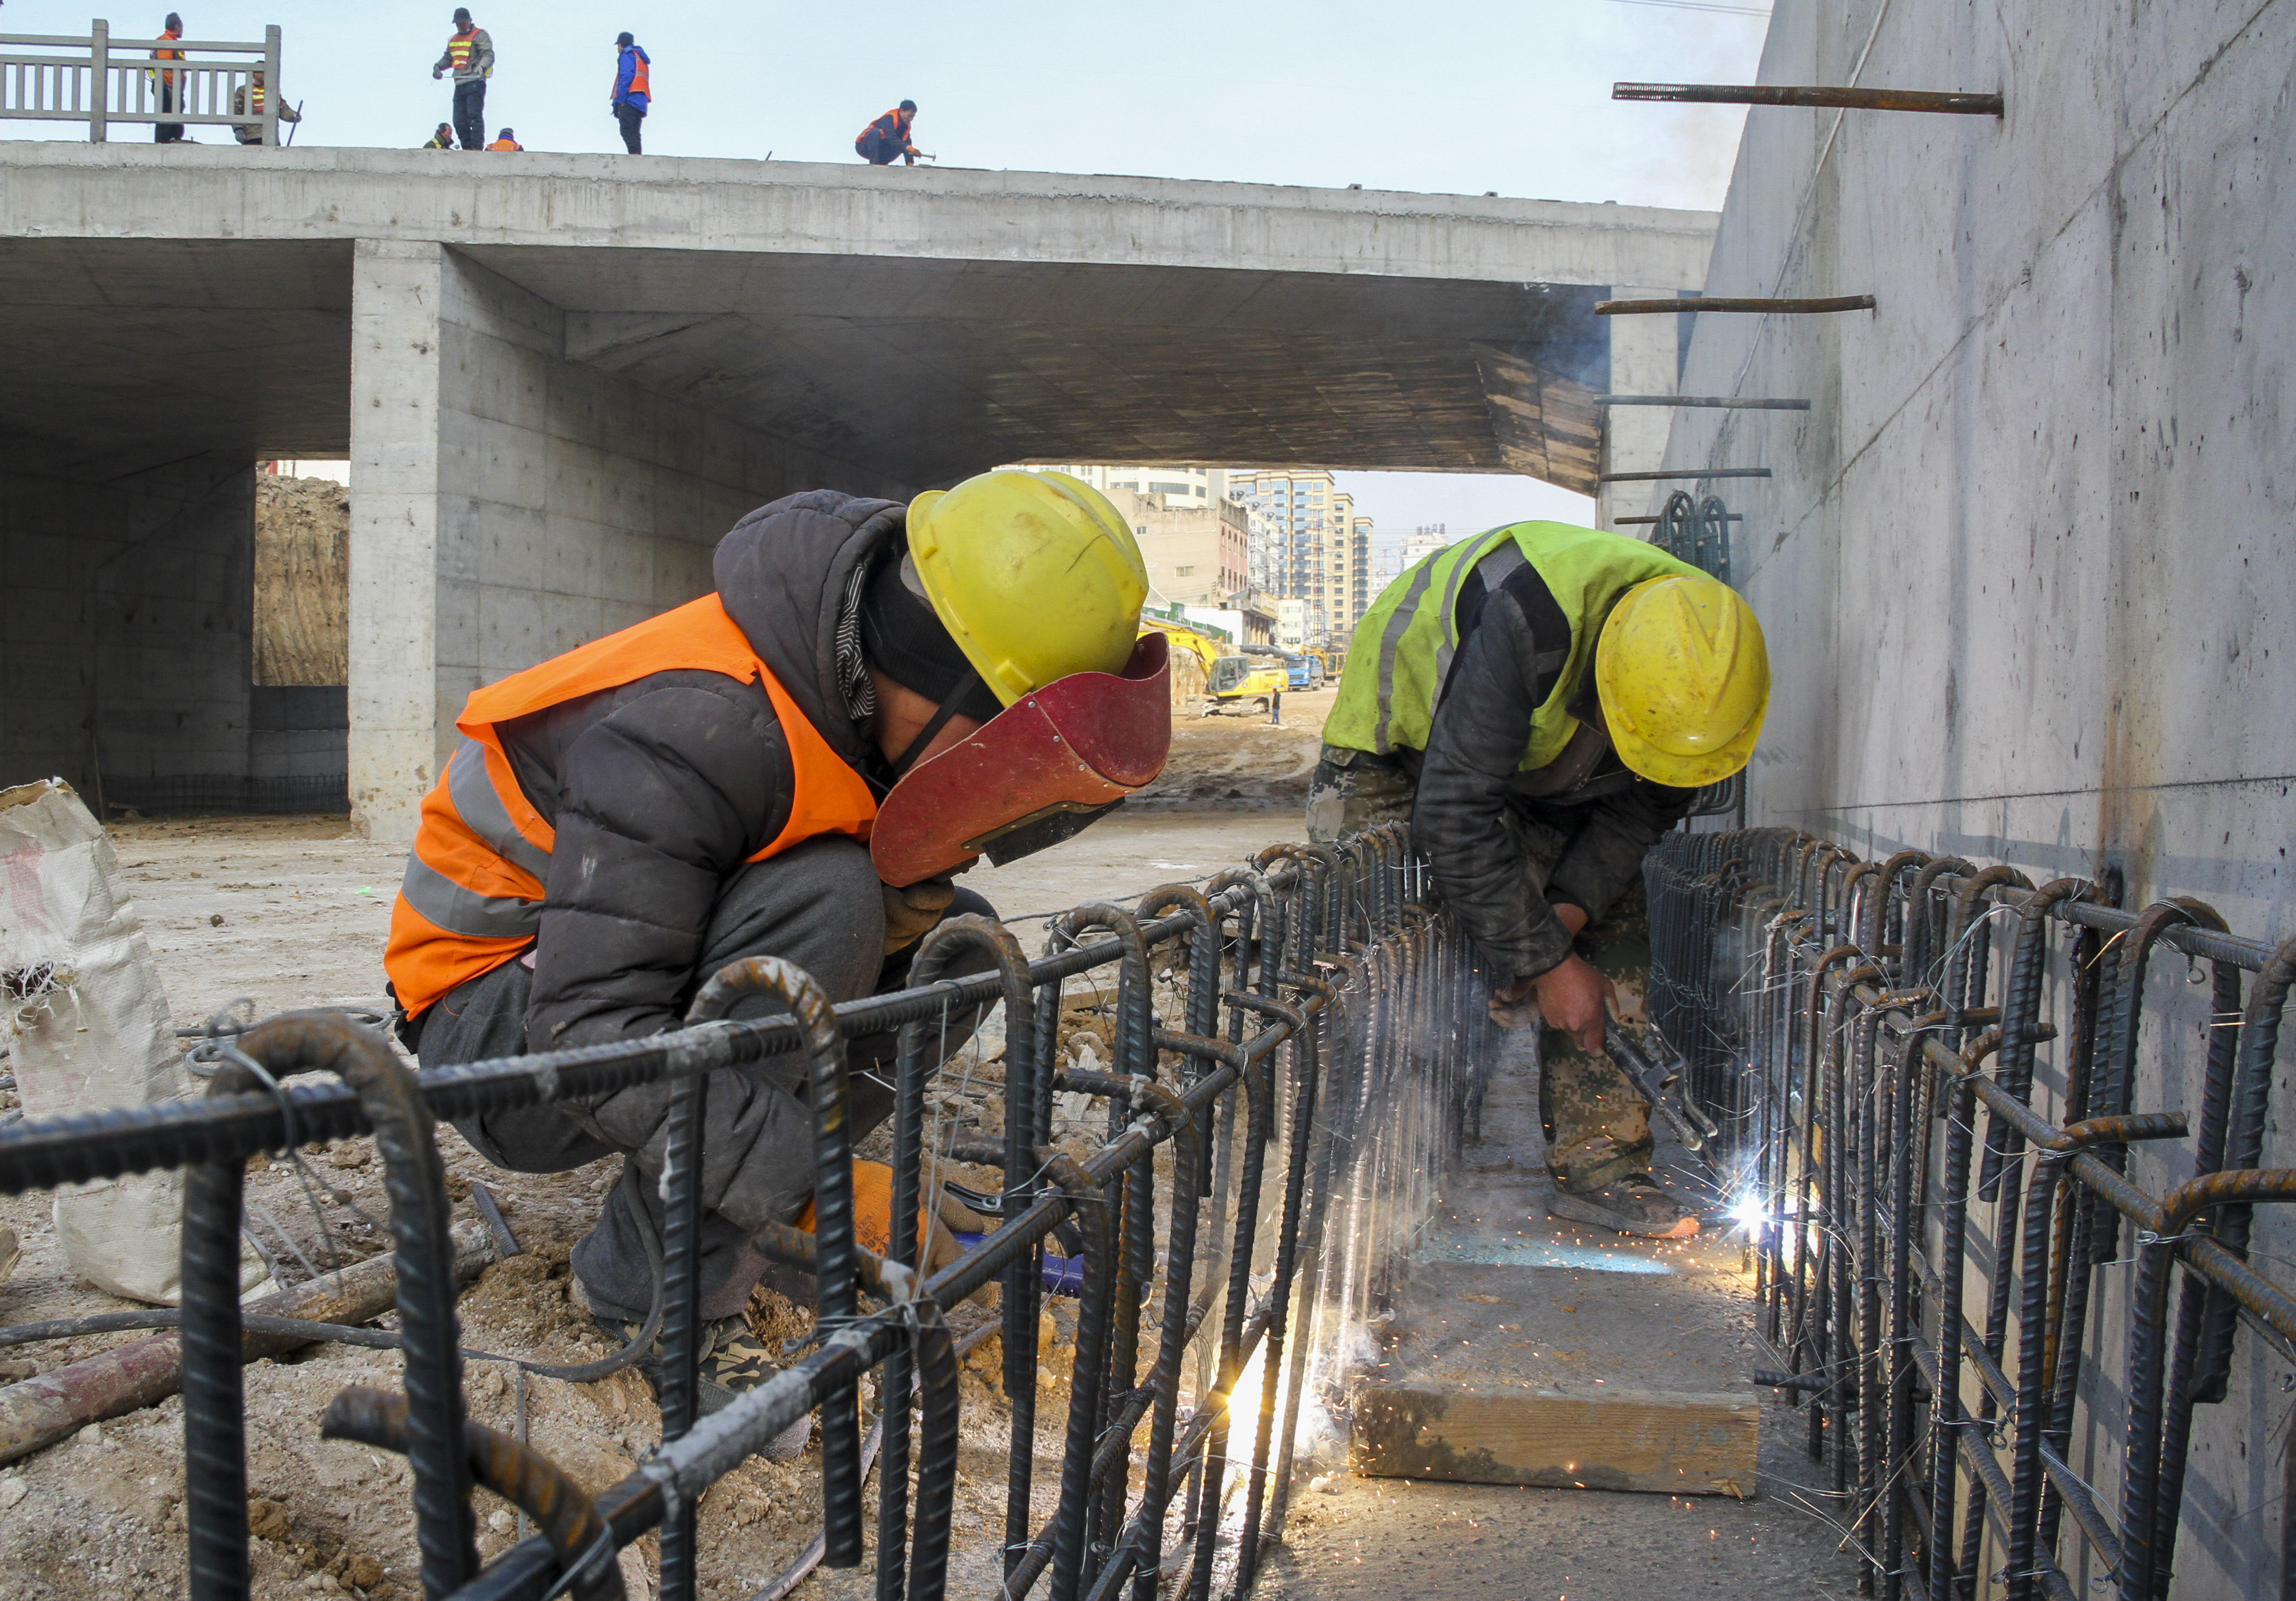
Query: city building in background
point(1318, 550)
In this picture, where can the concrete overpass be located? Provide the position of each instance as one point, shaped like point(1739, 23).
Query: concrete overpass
point(559, 379)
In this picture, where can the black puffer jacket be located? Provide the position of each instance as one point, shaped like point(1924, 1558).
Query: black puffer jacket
point(1475, 813)
point(661, 789)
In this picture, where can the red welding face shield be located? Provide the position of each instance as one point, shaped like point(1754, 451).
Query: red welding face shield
point(1032, 776)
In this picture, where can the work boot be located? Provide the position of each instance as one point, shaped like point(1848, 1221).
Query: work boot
point(733, 1362)
point(1634, 1205)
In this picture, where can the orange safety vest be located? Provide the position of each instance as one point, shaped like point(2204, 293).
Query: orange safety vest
point(458, 47)
point(168, 55)
point(640, 81)
point(505, 144)
point(473, 896)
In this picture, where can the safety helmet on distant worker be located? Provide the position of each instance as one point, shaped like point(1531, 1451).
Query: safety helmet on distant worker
point(1684, 678)
point(1035, 575)
point(1039, 582)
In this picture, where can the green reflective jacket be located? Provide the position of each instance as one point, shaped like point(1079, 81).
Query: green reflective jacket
point(1403, 647)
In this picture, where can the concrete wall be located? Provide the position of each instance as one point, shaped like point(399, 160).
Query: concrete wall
point(2026, 566)
point(509, 505)
point(125, 627)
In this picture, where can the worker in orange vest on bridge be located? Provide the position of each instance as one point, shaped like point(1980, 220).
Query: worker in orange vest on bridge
point(888, 136)
point(470, 55)
point(506, 140)
point(632, 91)
point(795, 765)
point(167, 133)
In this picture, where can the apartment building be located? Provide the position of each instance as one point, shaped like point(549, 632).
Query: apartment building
point(1318, 549)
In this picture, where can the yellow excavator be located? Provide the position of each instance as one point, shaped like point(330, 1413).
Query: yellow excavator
point(1233, 681)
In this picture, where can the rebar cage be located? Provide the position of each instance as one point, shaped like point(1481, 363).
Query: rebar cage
point(1311, 1073)
point(1850, 1020)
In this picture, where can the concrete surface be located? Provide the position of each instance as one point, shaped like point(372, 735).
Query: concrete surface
point(2024, 564)
point(1506, 1295)
point(126, 628)
point(547, 503)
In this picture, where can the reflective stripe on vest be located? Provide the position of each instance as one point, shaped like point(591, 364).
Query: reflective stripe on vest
point(474, 891)
point(640, 83)
point(458, 49)
point(1387, 698)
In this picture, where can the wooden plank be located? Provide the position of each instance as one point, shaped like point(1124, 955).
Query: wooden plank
point(1671, 1444)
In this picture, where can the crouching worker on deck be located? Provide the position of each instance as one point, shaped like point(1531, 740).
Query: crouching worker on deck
point(1540, 703)
point(792, 765)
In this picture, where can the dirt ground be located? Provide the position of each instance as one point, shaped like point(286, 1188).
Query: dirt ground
point(279, 913)
point(1242, 762)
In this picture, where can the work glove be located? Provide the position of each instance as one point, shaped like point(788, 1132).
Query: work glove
point(912, 911)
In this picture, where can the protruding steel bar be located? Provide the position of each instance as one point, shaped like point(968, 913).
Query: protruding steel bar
point(1847, 97)
point(1728, 402)
point(1698, 472)
point(1732, 303)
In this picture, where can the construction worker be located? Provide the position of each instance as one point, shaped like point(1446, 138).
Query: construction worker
point(622, 822)
point(1540, 703)
point(506, 140)
point(470, 55)
point(246, 99)
point(888, 136)
point(633, 90)
point(443, 138)
point(167, 133)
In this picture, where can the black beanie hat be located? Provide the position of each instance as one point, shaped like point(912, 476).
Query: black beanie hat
point(903, 638)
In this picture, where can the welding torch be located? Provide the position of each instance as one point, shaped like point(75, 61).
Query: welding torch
point(1651, 1080)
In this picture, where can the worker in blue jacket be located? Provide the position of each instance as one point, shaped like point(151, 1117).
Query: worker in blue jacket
point(632, 92)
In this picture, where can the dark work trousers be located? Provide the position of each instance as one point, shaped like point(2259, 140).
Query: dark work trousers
point(471, 113)
point(167, 133)
point(633, 121)
point(819, 906)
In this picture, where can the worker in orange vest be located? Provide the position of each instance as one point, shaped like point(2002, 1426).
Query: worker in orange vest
point(794, 765)
point(470, 55)
point(506, 140)
point(167, 133)
point(888, 136)
point(633, 90)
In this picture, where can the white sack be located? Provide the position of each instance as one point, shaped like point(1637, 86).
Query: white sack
point(86, 1021)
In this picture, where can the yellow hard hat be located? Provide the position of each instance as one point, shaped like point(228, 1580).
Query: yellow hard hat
point(1035, 575)
point(1684, 679)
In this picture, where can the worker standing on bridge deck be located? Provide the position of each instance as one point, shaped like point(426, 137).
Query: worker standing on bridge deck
point(793, 766)
point(633, 90)
point(1540, 703)
point(888, 136)
point(246, 99)
point(470, 55)
point(167, 133)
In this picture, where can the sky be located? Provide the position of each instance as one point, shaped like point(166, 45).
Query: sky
point(1441, 96)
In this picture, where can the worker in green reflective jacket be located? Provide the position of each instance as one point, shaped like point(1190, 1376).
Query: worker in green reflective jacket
point(1540, 703)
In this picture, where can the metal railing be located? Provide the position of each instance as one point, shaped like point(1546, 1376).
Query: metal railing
point(100, 80)
point(1850, 1020)
point(1310, 1070)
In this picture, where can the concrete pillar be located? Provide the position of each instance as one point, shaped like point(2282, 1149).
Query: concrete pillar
point(509, 503)
point(1646, 355)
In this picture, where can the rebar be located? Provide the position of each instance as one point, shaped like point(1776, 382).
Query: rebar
point(1835, 1016)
